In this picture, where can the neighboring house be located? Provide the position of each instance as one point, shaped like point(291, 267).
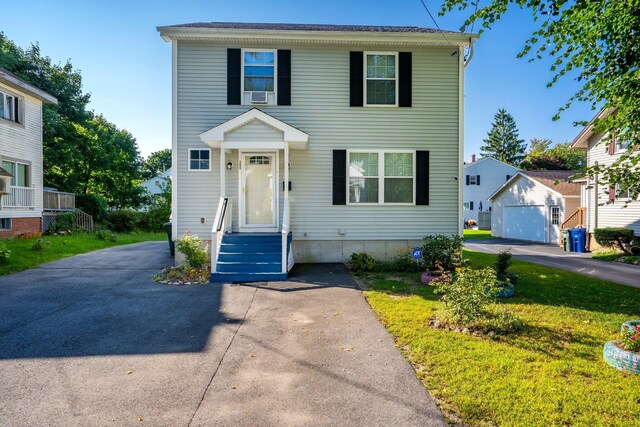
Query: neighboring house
point(155, 185)
point(481, 179)
point(21, 201)
point(602, 205)
point(364, 124)
point(532, 205)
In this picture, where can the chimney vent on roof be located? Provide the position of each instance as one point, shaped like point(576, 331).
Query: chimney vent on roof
point(473, 158)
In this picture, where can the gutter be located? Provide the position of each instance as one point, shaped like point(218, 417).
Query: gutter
point(472, 50)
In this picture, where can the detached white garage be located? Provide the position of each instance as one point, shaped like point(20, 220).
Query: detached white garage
point(531, 206)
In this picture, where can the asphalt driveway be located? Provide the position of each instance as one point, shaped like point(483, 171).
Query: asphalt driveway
point(92, 340)
point(554, 256)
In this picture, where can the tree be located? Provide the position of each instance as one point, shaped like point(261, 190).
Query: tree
point(83, 152)
point(156, 163)
point(502, 140)
point(595, 42)
point(543, 156)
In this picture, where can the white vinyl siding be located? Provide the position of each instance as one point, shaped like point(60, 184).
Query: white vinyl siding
point(320, 107)
point(617, 214)
point(23, 142)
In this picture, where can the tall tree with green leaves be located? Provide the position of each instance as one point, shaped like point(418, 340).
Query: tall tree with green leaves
point(502, 140)
point(595, 42)
point(543, 155)
point(156, 163)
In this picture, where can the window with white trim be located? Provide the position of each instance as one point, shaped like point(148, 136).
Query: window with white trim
point(621, 147)
point(21, 172)
point(622, 194)
point(381, 177)
point(9, 107)
point(473, 179)
point(259, 70)
point(5, 223)
point(381, 78)
point(555, 215)
point(199, 160)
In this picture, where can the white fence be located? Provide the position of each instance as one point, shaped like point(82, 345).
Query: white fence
point(20, 197)
point(484, 220)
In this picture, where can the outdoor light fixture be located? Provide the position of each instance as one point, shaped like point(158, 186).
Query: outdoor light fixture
point(229, 165)
point(289, 165)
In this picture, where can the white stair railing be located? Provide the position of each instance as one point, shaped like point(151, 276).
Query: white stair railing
point(20, 197)
point(222, 224)
point(285, 235)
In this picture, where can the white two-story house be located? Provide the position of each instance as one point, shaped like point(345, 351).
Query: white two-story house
point(21, 192)
point(482, 178)
point(312, 142)
point(602, 205)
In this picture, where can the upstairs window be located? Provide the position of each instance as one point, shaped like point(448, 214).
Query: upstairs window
point(621, 146)
point(259, 70)
point(199, 160)
point(473, 180)
point(381, 82)
point(9, 107)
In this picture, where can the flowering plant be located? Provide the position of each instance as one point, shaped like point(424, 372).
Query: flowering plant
point(631, 338)
point(190, 245)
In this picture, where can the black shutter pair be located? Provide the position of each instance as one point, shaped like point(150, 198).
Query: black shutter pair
point(234, 77)
point(340, 177)
point(356, 79)
point(468, 180)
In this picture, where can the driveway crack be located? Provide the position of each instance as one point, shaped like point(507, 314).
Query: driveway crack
point(215, 372)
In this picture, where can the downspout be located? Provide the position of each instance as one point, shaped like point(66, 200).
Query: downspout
point(472, 50)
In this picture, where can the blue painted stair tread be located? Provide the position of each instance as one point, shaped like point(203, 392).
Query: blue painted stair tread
point(250, 257)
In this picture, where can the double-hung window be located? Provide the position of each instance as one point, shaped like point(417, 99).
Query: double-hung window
point(9, 107)
point(21, 172)
point(381, 177)
point(259, 70)
point(199, 160)
point(381, 78)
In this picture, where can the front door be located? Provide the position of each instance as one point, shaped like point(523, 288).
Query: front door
point(258, 192)
point(554, 224)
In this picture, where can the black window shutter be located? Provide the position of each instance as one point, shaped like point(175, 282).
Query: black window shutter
point(234, 76)
point(284, 77)
point(356, 83)
point(477, 179)
point(467, 178)
point(422, 177)
point(470, 206)
point(404, 84)
point(339, 177)
point(16, 110)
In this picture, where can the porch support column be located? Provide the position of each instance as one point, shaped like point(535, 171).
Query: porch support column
point(285, 213)
point(286, 179)
point(223, 168)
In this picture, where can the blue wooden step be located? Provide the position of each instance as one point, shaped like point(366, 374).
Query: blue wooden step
point(252, 238)
point(249, 247)
point(247, 277)
point(250, 257)
point(249, 267)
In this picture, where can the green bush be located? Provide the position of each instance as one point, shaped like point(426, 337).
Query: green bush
point(190, 245)
point(442, 252)
point(5, 253)
point(503, 263)
point(106, 235)
point(123, 221)
point(63, 222)
point(467, 294)
point(38, 245)
point(153, 220)
point(92, 204)
point(361, 262)
point(402, 262)
point(614, 237)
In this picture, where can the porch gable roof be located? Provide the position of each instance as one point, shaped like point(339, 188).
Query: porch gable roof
point(215, 137)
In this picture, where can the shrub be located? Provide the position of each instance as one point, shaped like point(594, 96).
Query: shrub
point(190, 245)
point(153, 220)
point(63, 222)
point(94, 205)
point(38, 245)
point(123, 221)
point(442, 252)
point(361, 262)
point(467, 293)
point(503, 263)
point(614, 237)
point(631, 338)
point(5, 253)
point(106, 235)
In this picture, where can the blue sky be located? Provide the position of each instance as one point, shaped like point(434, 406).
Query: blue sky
point(127, 67)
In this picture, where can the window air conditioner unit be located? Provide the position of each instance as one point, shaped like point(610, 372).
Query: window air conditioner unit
point(5, 184)
point(258, 97)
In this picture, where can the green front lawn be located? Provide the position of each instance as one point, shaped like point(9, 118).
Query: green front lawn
point(24, 257)
point(617, 257)
point(476, 234)
point(550, 374)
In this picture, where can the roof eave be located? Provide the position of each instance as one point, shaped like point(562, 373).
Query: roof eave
point(226, 35)
point(20, 85)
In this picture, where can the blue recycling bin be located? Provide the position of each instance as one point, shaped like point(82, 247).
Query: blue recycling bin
point(578, 239)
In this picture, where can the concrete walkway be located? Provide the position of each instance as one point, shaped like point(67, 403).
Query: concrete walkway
point(92, 340)
point(553, 256)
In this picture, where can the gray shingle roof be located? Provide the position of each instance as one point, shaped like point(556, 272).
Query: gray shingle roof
point(311, 27)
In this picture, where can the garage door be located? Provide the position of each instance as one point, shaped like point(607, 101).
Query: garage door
point(525, 223)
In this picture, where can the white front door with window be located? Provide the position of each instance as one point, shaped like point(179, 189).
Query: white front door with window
point(554, 224)
point(258, 192)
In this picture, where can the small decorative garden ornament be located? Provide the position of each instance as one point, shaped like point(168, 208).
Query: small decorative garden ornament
point(625, 354)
